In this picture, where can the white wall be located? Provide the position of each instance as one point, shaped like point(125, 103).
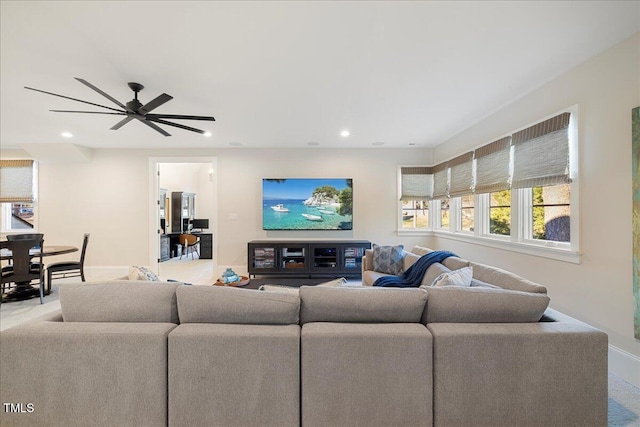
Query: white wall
point(110, 195)
point(373, 171)
point(598, 291)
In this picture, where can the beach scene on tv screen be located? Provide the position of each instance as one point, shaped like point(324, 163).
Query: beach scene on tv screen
point(307, 204)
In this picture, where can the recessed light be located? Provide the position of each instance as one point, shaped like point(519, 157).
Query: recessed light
point(378, 143)
point(412, 143)
point(313, 143)
point(345, 133)
point(67, 134)
point(207, 134)
point(235, 144)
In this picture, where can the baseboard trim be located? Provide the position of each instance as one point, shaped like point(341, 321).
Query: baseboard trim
point(624, 365)
point(106, 272)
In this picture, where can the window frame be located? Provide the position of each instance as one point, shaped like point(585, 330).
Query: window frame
point(400, 230)
point(520, 240)
point(5, 208)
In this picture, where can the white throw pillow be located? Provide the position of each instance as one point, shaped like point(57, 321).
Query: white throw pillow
point(461, 278)
point(142, 273)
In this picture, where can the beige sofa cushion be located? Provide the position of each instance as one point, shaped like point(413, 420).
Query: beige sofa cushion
point(505, 279)
point(222, 304)
point(433, 272)
point(455, 263)
point(361, 305)
point(119, 301)
point(421, 250)
point(482, 305)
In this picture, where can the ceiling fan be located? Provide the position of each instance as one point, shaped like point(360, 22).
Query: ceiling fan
point(134, 109)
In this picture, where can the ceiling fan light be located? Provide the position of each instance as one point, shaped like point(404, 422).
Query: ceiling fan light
point(207, 134)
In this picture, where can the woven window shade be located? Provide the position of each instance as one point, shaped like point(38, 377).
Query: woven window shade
point(416, 183)
point(541, 154)
point(461, 180)
point(16, 181)
point(440, 181)
point(492, 166)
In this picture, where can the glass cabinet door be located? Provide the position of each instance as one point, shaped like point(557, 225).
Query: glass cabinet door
point(353, 258)
point(325, 258)
point(263, 258)
point(293, 258)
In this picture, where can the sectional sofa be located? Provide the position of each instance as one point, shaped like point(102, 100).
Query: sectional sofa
point(157, 354)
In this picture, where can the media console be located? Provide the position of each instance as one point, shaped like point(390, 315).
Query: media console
point(318, 258)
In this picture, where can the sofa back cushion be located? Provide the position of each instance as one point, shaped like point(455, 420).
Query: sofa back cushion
point(433, 272)
point(221, 304)
point(455, 263)
point(505, 279)
point(483, 305)
point(119, 301)
point(421, 250)
point(361, 305)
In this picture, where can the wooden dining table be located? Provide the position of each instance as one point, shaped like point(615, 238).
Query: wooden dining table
point(24, 291)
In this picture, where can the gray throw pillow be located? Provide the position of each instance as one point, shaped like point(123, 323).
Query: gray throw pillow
point(388, 259)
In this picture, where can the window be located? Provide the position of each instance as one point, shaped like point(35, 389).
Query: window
point(18, 208)
point(445, 211)
point(550, 213)
point(500, 213)
point(415, 214)
point(416, 189)
point(467, 213)
point(525, 191)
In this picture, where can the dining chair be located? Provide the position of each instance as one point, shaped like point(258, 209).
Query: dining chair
point(59, 270)
point(23, 272)
point(189, 244)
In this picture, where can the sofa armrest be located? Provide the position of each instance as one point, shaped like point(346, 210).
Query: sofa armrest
point(544, 373)
point(68, 371)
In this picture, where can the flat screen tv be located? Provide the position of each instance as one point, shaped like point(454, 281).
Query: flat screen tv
point(307, 204)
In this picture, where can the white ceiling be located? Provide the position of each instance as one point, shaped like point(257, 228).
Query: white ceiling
point(290, 73)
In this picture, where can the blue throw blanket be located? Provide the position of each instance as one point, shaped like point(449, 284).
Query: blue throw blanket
point(414, 274)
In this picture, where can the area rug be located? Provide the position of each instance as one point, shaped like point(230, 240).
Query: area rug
point(288, 281)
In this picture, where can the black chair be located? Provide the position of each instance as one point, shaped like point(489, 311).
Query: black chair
point(64, 269)
point(23, 272)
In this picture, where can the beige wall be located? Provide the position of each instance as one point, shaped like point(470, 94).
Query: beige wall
point(599, 289)
point(109, 196)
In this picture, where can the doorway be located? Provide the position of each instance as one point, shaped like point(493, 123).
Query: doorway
point(193, 179)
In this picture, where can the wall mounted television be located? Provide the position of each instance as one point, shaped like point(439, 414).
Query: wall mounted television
point(307, 204)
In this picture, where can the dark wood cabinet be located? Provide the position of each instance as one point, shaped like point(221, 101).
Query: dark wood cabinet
point(206, 245)
point(183, 208)
point(322, 258)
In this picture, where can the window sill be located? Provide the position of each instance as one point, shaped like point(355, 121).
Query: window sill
point(425, 232)
point(555, 253)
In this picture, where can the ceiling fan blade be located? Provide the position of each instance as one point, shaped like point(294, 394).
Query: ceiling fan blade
point(155, 127)
point(164, 122)
point(155, 103)
point(89, 112)
point(122, 123)
point(106, 95)
point(73, 99)
point(178, 116)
